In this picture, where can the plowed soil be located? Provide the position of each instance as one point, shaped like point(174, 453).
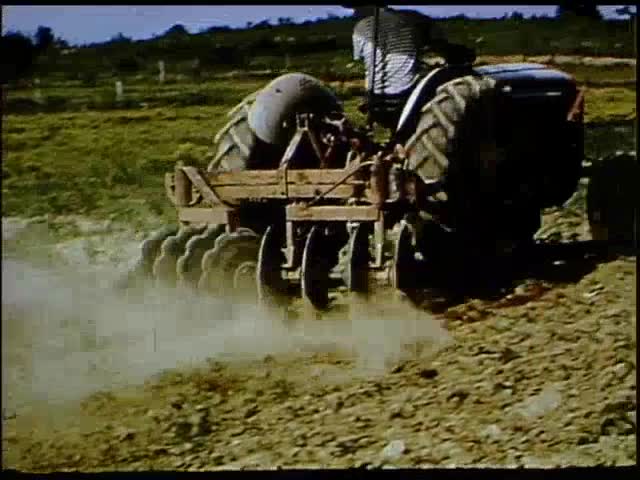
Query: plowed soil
point(544, 374)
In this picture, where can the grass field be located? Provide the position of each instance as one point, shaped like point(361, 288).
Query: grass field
point(108, 160)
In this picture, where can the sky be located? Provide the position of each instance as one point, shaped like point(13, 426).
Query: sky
point(79, 24)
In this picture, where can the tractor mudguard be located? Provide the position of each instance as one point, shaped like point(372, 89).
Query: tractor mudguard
point(516, 75)
point(424, 91)
point(272, 116)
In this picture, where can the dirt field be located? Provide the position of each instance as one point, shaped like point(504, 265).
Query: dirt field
point(545, 375)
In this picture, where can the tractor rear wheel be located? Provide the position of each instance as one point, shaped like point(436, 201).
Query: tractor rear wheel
point(455, 145)
point(235, 142)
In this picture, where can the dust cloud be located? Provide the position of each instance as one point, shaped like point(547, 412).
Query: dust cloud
point(67, 334)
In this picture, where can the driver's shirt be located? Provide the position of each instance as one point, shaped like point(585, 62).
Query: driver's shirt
point(401, 37)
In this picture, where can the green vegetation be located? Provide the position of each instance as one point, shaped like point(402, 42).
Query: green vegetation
point(144, 91)
point(104, 164)
point(610, 105)
point(111, 164)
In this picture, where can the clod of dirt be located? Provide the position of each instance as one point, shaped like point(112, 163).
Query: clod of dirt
point(200, 424)
point(401, 410)
point(539, 405)
point(393, 451)
point(508, 355)
point(158, 449)
point(181, 430)
point(306, 418)
point(428, 373)
point(335, 402)
point(399, 368)
point(492, 433)
point(617, 425)
point(126, 435)
point(458, 396)
point(251, 411)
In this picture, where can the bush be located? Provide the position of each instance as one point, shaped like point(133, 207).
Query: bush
point(88, 78)
point(22, 105)
point(128, 64)
point(190, 99)
point(106, 100)
point(25, 106)
point(56, 103)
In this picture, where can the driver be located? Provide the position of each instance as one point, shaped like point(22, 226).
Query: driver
point(402, 36)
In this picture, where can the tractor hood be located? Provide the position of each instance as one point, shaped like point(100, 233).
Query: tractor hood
point(526, 75)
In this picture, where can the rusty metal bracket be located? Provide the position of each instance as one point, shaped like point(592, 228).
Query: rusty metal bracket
point(168, 186)
point(379, 238)
point(332, 213)
point(302, 131)
point(576, 113)
point(350, 173)
point(207, 192)
point(316, 146)
point(286, 159)
point(179, 190)
point(214, 215)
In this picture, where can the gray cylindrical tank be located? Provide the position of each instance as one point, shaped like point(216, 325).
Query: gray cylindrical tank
point(272, 116)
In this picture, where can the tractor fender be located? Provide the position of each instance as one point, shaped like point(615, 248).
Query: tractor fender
point(424, 91)
point(272, 116)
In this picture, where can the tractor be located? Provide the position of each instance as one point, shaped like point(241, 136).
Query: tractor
point(298, 201)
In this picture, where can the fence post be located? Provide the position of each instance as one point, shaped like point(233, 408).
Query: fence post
point(119, 91)
point(161, 71)
point(37, 93)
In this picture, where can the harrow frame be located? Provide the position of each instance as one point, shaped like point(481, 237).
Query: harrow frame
point(359, 193)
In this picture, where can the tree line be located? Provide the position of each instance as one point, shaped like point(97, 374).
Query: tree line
point(213, 47)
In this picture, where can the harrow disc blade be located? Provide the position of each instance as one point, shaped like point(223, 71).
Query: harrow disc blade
point(189, 265)
point(356, 273)
point(229, 267)
point(143, 268)
point(315, 269)
point(404, 263)
point(244, 277)
point(151, 246)
point(164, 267)
point(270, 284)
